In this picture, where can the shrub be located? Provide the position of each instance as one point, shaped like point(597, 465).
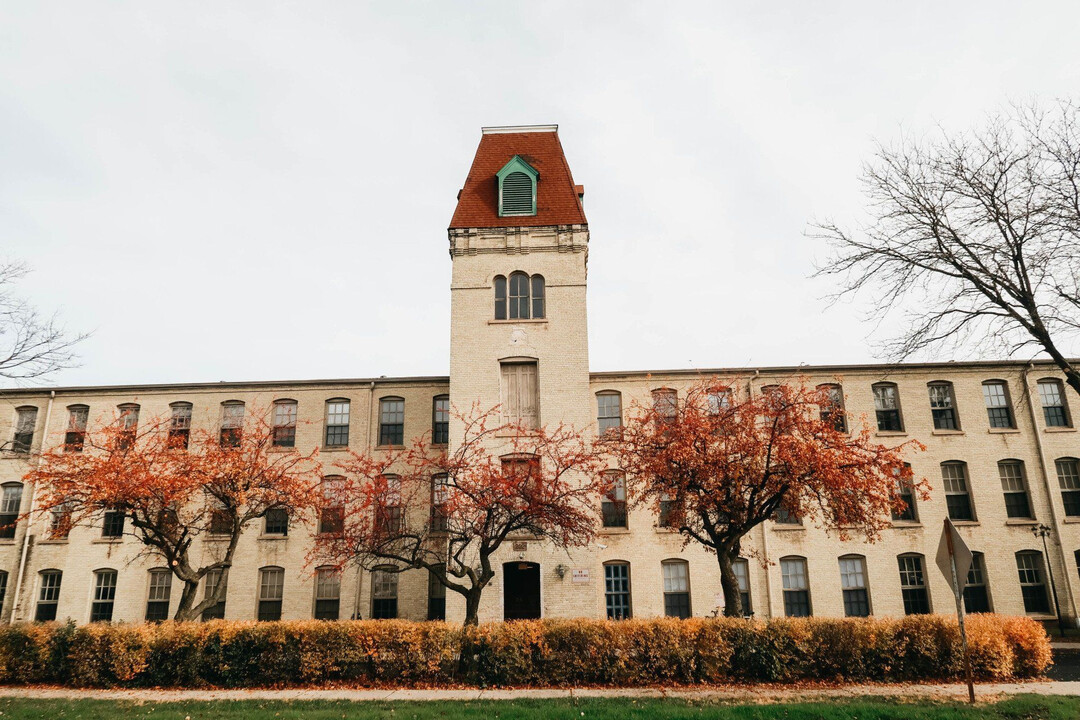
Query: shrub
point(539, 653)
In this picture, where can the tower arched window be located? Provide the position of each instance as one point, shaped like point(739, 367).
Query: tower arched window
point(520, 298)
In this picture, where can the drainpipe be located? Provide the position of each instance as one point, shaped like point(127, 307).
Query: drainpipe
point(359, 570)
point(30, 518)
point(1044, 466)
point(764, 531)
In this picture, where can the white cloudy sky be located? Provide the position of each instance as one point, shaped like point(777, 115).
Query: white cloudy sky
point(261, 190)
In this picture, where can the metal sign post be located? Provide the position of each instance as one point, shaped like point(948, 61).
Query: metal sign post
point(954, 560)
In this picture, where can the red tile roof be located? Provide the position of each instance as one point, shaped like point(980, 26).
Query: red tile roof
point(557, 201)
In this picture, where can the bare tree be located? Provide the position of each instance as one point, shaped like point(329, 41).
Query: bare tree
point(30, 345)
point(973, 237)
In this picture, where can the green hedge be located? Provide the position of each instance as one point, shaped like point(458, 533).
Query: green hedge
point(537, 653)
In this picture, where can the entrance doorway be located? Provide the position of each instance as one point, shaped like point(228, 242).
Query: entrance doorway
point(521, 591)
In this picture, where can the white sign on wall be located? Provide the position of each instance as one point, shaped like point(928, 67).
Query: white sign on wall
point(580, 575)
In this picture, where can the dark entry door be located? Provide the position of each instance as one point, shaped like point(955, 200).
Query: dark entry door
point(521, 591)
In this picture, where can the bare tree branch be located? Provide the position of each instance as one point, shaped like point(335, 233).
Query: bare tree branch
point(973, 238)
point(31, 345)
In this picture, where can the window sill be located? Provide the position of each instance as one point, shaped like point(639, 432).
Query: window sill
point(216, 538)
point(947, 432)
point(530, 321)
point(787, 527)
point(107, 541)
point(1070, 519)
point(440, 445)
point(667, 530)
point(965, 523)
point(1041, 616)
point(1020, 522)
point(389, 447)
point(906, 524)
point(12, 455)
point(264, 536)
point(1003, 431)
point(281, 449)
point(1058, 429)
point(614, 531)
point(334, 448)
point(891, 433)
point(7, 541)
point(53, 541)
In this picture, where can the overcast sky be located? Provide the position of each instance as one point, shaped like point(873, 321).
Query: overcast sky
point(261, 190)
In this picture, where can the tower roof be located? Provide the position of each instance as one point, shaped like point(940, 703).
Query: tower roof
point(557, 198)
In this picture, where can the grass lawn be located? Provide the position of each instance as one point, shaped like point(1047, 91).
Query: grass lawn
point(1026, 707)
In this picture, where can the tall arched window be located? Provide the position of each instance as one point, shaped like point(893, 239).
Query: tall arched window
point(853, 585)
point(180, 425)
point(271, 592)
point(284, 423)
point(129, 425)
point(1032, 572)
point(913, 584)
point(796, 584)
point(48, 595)
point(10, 503)
point(676, 574)
point(25, 422)
point(101, 609)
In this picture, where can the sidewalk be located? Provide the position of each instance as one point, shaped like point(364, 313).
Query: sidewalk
point(762, 694)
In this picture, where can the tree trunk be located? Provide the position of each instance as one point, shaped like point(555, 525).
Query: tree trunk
point(187, 601)
point(729, 583)
point(472, 607)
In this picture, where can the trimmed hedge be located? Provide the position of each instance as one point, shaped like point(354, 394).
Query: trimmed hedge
point(536, 653)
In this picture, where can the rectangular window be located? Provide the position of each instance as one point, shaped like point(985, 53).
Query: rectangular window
point(112, 524)
point(436, 601)
point(667, 504)
point(998, 408)
point(976, 599)
point(10, 504)
point(853, 585)
point(943, 407)
point(180, 426)
point(1068, 472)
point(60, 523)
point(1053, 404)
point(129, 424)
point(390, 514)
point(913, 585)
point(101, 609)
point(76, 429)
point(719, 399)
point(327, 594)
point(957, 497)
point(285, 424)
point(157, 601)
point(332, 515)
point(832, 409)
point(520, 394)
point(391, 421)
point(613, 507)
point(783, 516)
point(214, 579)
point(617, 590)
point(676, 589)
point(887, 408)
point(25, 422)
point(440, 420)
point(384, 587)
point(907, 495)
point(1014, 488)
point(742, 574)
point(337, 423)
point(440, 493)
point(1032, 585)
point(277, 521)
point(796, 589)
point(49, 596)
point(666, 405)
point(271, 591)
point(608, 412)
point(232, 424)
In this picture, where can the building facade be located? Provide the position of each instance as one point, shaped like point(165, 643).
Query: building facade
point(1002, 458)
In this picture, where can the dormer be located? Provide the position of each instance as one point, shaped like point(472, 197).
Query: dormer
point(517, 188)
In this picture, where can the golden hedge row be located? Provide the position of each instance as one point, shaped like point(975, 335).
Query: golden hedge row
point(538, 653)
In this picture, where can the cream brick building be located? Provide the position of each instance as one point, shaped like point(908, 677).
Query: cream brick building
point(1001, 457)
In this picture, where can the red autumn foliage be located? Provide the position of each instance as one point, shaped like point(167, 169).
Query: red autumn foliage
point(174, 489)
point(449, 512)
point(718, 462)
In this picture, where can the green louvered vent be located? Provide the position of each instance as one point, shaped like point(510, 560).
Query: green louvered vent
point(517, 194)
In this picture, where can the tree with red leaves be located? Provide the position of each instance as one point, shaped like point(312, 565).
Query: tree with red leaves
point(449, 513)
point(719, 462)
point(174, 487)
